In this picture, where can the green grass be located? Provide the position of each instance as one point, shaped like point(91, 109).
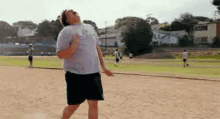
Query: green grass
point(168, 69)
point(167, 66)
point(38, 61)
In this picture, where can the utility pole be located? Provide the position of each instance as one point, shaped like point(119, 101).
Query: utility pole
point(105, 35)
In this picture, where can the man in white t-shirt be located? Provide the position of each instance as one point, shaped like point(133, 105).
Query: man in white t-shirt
point(117, 57)
point(185, 57)
point(130, 55)
point(30, 55)
point(78, 46)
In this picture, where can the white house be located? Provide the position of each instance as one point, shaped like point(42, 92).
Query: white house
point(26, 32)
point(166, 37)
point(112, 36)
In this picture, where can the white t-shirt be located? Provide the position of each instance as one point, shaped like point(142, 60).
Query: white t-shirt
point(85, 60)
point(116, 54)
point(30, 51)
point(185, 55)
point(130, 55)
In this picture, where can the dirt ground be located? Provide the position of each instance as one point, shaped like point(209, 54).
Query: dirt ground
point(40, 94)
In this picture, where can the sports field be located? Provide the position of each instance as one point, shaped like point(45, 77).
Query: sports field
point(40, 93)
point(206, 68)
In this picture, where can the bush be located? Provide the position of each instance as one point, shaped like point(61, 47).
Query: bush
point(216, 42)
point(137, 37)
point(184, 41)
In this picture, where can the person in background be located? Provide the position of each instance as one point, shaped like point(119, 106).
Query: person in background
point(121, 55)
point(130, 55)
point(185, 57)
point(30, 55)
point(117, 57)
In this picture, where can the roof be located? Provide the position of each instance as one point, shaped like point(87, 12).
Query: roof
point(108, 35)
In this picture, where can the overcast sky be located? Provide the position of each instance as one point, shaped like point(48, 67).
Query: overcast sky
point(100, 11)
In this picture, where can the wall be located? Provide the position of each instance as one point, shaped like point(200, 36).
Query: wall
point(210, 33)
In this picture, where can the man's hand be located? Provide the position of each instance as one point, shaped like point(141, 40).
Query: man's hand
point(107, 72)
point(74, 44)
point(75, 40)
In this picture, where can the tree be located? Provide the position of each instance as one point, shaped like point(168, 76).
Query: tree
point(202, 18)
point(216, 3)
point(216, 42)
point(137, 37)
point(184, 41)
point(6, 30)
point(50, 29)
point(116, 44)
point(152, 20)
point(125, 21)
point(57, 26)
point(91, 23)
point(177, 25)
point(45, 29)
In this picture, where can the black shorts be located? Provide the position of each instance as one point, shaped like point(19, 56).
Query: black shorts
point(184, 60)
point(81, 87)
point(117, 59)
point(130, 57)
point(30, 58)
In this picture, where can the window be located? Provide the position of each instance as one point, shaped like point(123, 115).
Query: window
point(201, 28)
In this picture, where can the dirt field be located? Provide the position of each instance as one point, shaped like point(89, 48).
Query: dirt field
point(40, 94)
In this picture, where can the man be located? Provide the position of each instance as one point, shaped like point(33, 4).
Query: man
point(117, 57)
point(78, 45)
point(121, 55)
point(30, 55)
point(130, 55)
point(185, 56)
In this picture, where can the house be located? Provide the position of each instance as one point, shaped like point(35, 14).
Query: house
point(26, 32)
point(166, 37)
point(205, 32)
point(113, 36)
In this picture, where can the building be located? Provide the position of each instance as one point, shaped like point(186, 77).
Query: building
point(113, 36)
point(166, 37)
point(205, 32)
point(26, 32)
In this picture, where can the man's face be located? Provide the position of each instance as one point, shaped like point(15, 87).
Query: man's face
point(72, 16)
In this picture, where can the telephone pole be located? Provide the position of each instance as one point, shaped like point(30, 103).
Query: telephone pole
point(105, 35)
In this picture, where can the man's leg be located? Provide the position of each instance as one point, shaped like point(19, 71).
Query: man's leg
point(93, 109)
point(69, 110)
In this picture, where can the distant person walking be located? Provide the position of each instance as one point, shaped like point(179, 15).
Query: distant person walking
point(130, 55)
point(117, 57)
point(121, 55)
point(78, 46)
point(30, 55)
point(185, 57)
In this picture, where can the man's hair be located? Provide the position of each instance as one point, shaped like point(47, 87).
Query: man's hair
point(184, 50)
point(116, 50)
point(64, 18)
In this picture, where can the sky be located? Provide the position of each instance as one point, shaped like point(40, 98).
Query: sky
point(101, 11)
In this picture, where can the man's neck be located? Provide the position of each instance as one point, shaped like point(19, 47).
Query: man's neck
point(79, 22)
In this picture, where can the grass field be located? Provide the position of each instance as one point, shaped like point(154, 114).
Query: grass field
point(159, 66)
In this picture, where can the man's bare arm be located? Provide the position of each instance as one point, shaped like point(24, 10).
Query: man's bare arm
point(100, 56)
